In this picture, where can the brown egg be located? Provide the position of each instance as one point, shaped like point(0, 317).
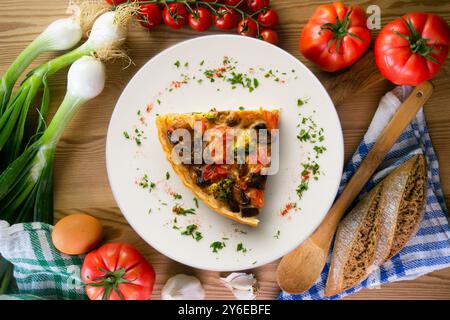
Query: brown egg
point(77, 233)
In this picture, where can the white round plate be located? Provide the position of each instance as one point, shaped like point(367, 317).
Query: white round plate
point(282, 81)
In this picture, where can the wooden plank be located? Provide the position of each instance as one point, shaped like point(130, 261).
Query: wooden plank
point(80, 176)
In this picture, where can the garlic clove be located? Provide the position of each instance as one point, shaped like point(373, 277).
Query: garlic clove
point(242, 285)
point(183, 287)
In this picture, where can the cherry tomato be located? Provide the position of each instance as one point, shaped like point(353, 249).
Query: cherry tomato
point(226, 19)
point(247, 27)
point(200, 19)
point(150, 15)
point(117, 271)
point(255, 5)
point(270, 36)
point(175, 15)
point(412, 49)
point(268, 18)
point(335, 36)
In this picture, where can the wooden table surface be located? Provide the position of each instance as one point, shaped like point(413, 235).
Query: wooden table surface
point(81, 184)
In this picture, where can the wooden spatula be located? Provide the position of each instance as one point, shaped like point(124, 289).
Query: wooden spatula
point(299, 270)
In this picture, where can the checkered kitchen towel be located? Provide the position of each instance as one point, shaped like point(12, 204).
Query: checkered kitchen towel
point(429, 249)
point(40, 271)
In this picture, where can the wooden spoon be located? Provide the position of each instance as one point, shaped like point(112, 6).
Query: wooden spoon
point(299, 270)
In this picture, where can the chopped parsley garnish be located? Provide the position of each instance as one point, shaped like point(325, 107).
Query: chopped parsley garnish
point(175, 225)
point(240, 247)
point(243, 80)
point(312, 134)
point(138, 141)
point(177, 196)
point(304, 135)
point(177, 209)
point(177, 64)
point(198, 236)
point(167, 175)
point(241, 108)
point(189, 231)
point(301, 102)
point(145, 183)
point(302, 187)
point(277, 235)
point(126, 135)
point(319, 149)
point(158, 101)
point(196, 202)
point(222, 190)
point(202, 62)
point(217, 245)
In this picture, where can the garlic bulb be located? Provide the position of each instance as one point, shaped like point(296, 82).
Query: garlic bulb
point(242, 285)
point(183, 287)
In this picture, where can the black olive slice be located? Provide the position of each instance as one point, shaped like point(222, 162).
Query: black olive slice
point(249, 212)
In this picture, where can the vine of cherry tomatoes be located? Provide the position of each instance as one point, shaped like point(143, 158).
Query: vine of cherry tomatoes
point(251, 18)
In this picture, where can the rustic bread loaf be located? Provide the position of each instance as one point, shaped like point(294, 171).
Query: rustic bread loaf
point(379, 226)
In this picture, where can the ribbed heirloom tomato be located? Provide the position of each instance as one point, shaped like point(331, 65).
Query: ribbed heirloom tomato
point(412, 49)
point(335, 36)
point(117, 271)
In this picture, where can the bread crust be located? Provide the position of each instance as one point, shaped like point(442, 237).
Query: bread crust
point(393, 197)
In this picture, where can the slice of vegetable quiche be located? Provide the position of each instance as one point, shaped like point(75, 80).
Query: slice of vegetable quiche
point(223, 157)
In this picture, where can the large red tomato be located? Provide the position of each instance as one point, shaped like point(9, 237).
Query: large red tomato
point(117, 271)
point(412, 49)
point(335, 36)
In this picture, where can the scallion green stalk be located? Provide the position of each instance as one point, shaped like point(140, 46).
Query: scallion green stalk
point(60, 35)
point(26, 186)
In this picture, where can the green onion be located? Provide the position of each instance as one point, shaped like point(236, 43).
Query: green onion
point(106, 35)
point(26, 186)
point(60, 35)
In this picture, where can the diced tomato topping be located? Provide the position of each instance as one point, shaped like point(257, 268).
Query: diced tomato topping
point(271, 118)
point(214, 172)
point(257, 198)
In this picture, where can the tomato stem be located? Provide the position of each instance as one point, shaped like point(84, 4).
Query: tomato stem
point(416, 42)
point(110, 281)
point(340, 30)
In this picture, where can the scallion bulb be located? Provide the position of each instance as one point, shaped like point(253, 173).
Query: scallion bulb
point(62, 34)
point(26, 186)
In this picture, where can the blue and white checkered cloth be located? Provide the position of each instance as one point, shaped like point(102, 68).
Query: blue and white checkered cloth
point(429, 249)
